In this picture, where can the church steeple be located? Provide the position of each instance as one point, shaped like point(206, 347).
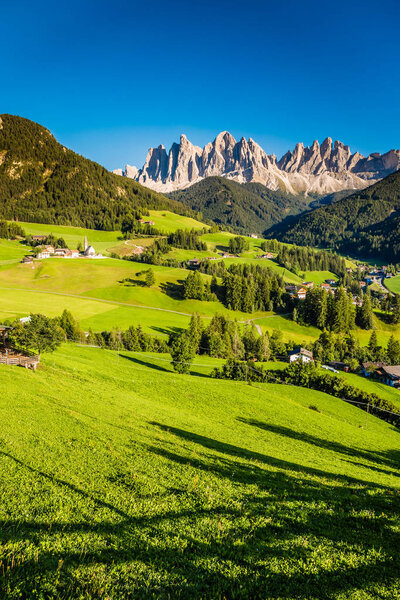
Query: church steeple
point(85, 244)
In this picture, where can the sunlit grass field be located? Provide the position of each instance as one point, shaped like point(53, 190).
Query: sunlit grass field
point(121, 480)
point(393, 284)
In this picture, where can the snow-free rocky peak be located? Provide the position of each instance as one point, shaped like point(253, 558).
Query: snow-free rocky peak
point(320, 168)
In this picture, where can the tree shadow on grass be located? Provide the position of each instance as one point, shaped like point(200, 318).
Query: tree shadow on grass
point(173, 290)
point(146, 363)
point(129, 282)
point(167, 331)
point(281, 513)
point(391, 460)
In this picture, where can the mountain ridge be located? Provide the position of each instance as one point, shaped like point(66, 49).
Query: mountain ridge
point(317, 169)
point(43, 181)
point(365, 223)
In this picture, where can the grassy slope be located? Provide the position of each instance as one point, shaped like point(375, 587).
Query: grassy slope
point(105, 241)
point(120, 480)
point(102, 280)
point(393, 284)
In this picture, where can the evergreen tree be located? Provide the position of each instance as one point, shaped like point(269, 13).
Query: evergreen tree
point(182, 353)
point(150, 279)
point(193, 286)
point(263, 352)
point(195, 330)
point(365, 315)
point(373, 345)
point(393, 351)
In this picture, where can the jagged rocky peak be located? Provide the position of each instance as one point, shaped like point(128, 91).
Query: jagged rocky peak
point(319, 168)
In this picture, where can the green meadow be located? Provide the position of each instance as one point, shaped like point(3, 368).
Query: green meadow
point(108, 293)
point(393, 284)
point(122, 480)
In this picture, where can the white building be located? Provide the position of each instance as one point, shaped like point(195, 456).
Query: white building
point(302, 354)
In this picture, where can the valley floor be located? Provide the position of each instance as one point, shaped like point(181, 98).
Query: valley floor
point(123, 480)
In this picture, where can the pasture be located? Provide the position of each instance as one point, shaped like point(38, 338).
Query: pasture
point(121, 480)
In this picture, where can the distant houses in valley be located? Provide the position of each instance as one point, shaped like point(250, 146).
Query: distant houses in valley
point(47, 251)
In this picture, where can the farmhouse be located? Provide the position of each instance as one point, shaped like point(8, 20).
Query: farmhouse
point(194, 263)
point(267, 255)
point(39, 238)
point(71, 253)
point(59, 252)
point(390, 375)
point(371, 368)
point(301, 354)
point(308, 284)
point(149, 222)
point(43, 254)
point(340, 366)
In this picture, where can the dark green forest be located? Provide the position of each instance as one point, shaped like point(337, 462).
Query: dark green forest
point(366, 223)
point(245, 208)
point(42, 181)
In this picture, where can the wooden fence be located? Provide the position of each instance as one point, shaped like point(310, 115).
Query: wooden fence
point(29, 362)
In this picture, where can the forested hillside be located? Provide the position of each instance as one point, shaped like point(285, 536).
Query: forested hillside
point(246, 208)
point(42, 181)
point(365, 223)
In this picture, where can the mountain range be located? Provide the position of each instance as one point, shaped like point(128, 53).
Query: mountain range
point(316, 170)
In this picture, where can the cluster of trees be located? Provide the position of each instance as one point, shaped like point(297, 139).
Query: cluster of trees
point(42, 181)
point(299, 259)
point(38, 334)
point(334, 312)
point(195, 288)
point(181, 238)
point(131, 225)
point(50, 240)
point(10, 231)
point(223, 338)
point(238, 244)
point(247, 288)
point(134, 338)
point(43, 334)
point(190, 240)
point(252, 287)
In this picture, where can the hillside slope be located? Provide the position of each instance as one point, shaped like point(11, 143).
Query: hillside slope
point(42, 181)
point(123, 481)
point(246, 208)
point(365, 223)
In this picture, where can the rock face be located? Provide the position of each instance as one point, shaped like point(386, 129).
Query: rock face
point(323, 169)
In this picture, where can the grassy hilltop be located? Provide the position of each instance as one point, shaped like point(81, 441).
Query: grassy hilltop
point(149, 484)
point(41, 180)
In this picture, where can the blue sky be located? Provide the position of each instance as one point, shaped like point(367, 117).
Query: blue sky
point(110, 79)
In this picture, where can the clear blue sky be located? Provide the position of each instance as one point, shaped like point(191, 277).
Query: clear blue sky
point(110, 79)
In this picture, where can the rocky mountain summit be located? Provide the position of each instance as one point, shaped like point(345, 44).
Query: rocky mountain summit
point(318, 169)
